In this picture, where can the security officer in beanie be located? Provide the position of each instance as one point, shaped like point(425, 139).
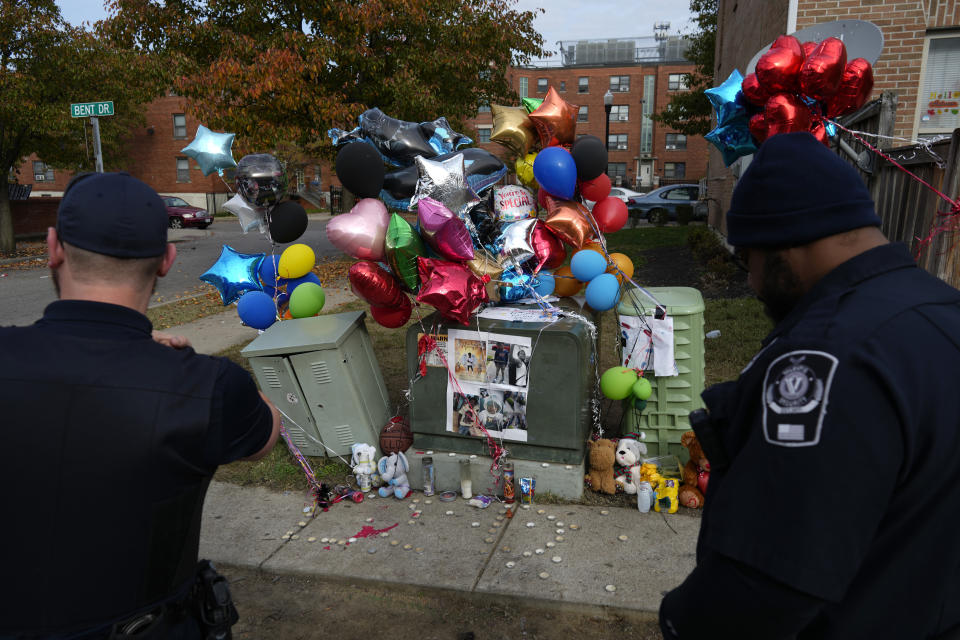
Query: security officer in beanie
point(111, 435)
point(832, 510)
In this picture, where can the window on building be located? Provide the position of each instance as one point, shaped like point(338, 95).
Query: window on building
point(582, 114)
point(620, 112)
point(940, 91)
point(41, 172)
point(522, 87)
point(183, 170)
point(484, 108)
point(583, 85)
point(179, 125)
point(674, 169)
point(542, 85)
point(677, 82)
point(617, 169)
point(676, 142)
point(619, 84)
point(617, 142)
point(483, 135)
point(563, 86)
point(646, 109)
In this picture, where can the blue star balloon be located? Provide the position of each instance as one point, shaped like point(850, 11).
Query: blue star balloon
point(724, 99)
point(234, 273)
point(211, 150)
point(733, 140)
point(517, 285)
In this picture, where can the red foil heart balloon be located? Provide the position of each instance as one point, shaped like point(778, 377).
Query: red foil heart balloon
point(753, 92)
point(808, 48)
point(785, 113)
point(821, 72)
point(778, 70)
point(392, 317)
point(758, 127)
point(855, 88)
point(819, 131)
point(374, 284)
point(548, 247)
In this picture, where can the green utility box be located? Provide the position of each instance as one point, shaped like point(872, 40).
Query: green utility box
point(562, 377)
point(322, 373)
point(666, 415)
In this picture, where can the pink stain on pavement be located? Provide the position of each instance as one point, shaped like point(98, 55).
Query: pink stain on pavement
point(368, 531)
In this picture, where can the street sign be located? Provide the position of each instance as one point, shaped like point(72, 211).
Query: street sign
point(94, 109)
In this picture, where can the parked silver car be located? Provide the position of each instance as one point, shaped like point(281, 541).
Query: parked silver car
point(660, 205)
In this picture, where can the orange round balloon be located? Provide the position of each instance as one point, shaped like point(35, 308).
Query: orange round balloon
point(595, 246)
point(566, 284)
point(620, 263)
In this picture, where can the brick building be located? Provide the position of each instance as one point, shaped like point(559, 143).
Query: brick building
point(920, 62)
point(641, 74)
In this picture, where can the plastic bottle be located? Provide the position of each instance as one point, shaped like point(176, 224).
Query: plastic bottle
point(429, 484)
point(644, 496)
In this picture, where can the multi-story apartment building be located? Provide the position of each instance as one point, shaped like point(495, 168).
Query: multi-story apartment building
point(641, 74)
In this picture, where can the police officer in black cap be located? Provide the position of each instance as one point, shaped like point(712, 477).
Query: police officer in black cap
point(111, 437)
point(832, 510)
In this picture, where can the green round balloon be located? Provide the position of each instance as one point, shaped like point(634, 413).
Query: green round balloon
point(403, 246)
point(617, 382)
point(307, 300)
point(641, 388)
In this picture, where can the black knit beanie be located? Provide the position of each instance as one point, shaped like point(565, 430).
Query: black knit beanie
point(794, 192)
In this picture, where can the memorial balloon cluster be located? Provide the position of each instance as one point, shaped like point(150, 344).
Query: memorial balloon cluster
point(796, 87)
point(474, 242)
point(263, 287)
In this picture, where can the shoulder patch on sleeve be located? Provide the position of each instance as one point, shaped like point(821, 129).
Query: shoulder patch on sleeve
point(795, 392)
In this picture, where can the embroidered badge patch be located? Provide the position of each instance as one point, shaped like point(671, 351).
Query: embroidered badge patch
point(795, 392)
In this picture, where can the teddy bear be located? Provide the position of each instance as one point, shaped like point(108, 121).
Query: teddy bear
point(393, 471)
point(696, 473)
point(602, 456)
point(630, 452)
point(364, 459)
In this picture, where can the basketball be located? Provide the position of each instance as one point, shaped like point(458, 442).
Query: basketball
point(395, 437)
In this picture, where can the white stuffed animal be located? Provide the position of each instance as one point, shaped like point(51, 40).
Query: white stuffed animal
point(364, 459)
point(393, 471)
point(629, 455)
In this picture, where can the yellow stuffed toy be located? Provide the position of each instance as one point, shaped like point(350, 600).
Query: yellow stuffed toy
point(667, 495)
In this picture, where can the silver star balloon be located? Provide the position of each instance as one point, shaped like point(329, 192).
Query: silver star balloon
point(445, 182)
point(514, 241)
point(251, 217)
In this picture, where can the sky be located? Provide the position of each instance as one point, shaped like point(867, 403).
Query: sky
point(563, 20)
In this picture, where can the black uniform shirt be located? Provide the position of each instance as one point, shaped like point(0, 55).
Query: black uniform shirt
point(109, 441)
point(844, 436)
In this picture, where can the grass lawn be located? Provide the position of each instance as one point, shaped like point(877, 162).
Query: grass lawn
point(740, 321)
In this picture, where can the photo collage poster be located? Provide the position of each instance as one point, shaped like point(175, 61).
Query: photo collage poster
point(493, 372)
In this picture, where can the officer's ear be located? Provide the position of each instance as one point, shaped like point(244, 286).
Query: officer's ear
point(55, 251)
point(169, 256)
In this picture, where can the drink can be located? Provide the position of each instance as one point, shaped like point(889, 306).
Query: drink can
point(644, 496)
point(364, 482)
point(527, 486)
point(508, 493)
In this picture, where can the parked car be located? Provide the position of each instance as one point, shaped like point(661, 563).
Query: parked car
point(660, 205)
point(183, 215)
point(623, 194)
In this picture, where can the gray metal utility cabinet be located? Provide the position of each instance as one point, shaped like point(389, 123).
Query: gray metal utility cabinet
point(323, 374)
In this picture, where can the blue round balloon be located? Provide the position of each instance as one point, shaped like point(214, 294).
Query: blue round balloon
point(556, 171)
point(603, 292)
point(257, 310)
point(587, 265)
point(293, 282)
point(268, 271)
point(545, 283)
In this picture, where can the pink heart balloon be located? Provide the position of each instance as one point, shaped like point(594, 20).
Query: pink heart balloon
point(443, 231)
point(361, 232)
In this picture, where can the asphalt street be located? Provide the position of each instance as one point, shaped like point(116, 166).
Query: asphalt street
point(25, 293)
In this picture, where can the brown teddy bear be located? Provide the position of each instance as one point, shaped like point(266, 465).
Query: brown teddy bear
point(603, 453)
point(696, 473)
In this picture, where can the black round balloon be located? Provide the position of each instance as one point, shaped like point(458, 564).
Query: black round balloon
point(360, 169)
point(288, 221)
point(590, 154)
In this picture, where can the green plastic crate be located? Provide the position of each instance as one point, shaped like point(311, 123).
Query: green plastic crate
point(666, 416)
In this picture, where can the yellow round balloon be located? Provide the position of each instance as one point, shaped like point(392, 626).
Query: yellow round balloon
point(566, 284)
point(621, 266)
point(296, 261)
point(524, 166)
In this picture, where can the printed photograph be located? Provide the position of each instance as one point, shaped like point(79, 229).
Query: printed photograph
point(468, 359)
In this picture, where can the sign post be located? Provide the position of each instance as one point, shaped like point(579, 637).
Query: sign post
point(93, 110)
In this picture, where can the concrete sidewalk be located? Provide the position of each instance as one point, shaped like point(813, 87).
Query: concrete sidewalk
point(556, 554)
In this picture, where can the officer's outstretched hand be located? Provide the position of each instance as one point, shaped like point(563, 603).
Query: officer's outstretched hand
point(170, 340)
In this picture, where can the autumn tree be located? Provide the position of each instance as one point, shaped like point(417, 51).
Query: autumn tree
point(45, 65)
point(689, 112)
point(286, 71)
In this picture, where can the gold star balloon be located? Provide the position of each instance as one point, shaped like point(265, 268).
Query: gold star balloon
point(556, 120)
point(488, 269)
point(512, 128)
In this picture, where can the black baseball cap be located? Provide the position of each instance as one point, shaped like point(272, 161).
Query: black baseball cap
point(113, 214)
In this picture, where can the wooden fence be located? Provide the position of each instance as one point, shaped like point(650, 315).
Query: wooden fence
point(908, 209)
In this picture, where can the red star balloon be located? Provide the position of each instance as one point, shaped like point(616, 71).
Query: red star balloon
point(556, 120)
point(451, 288)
